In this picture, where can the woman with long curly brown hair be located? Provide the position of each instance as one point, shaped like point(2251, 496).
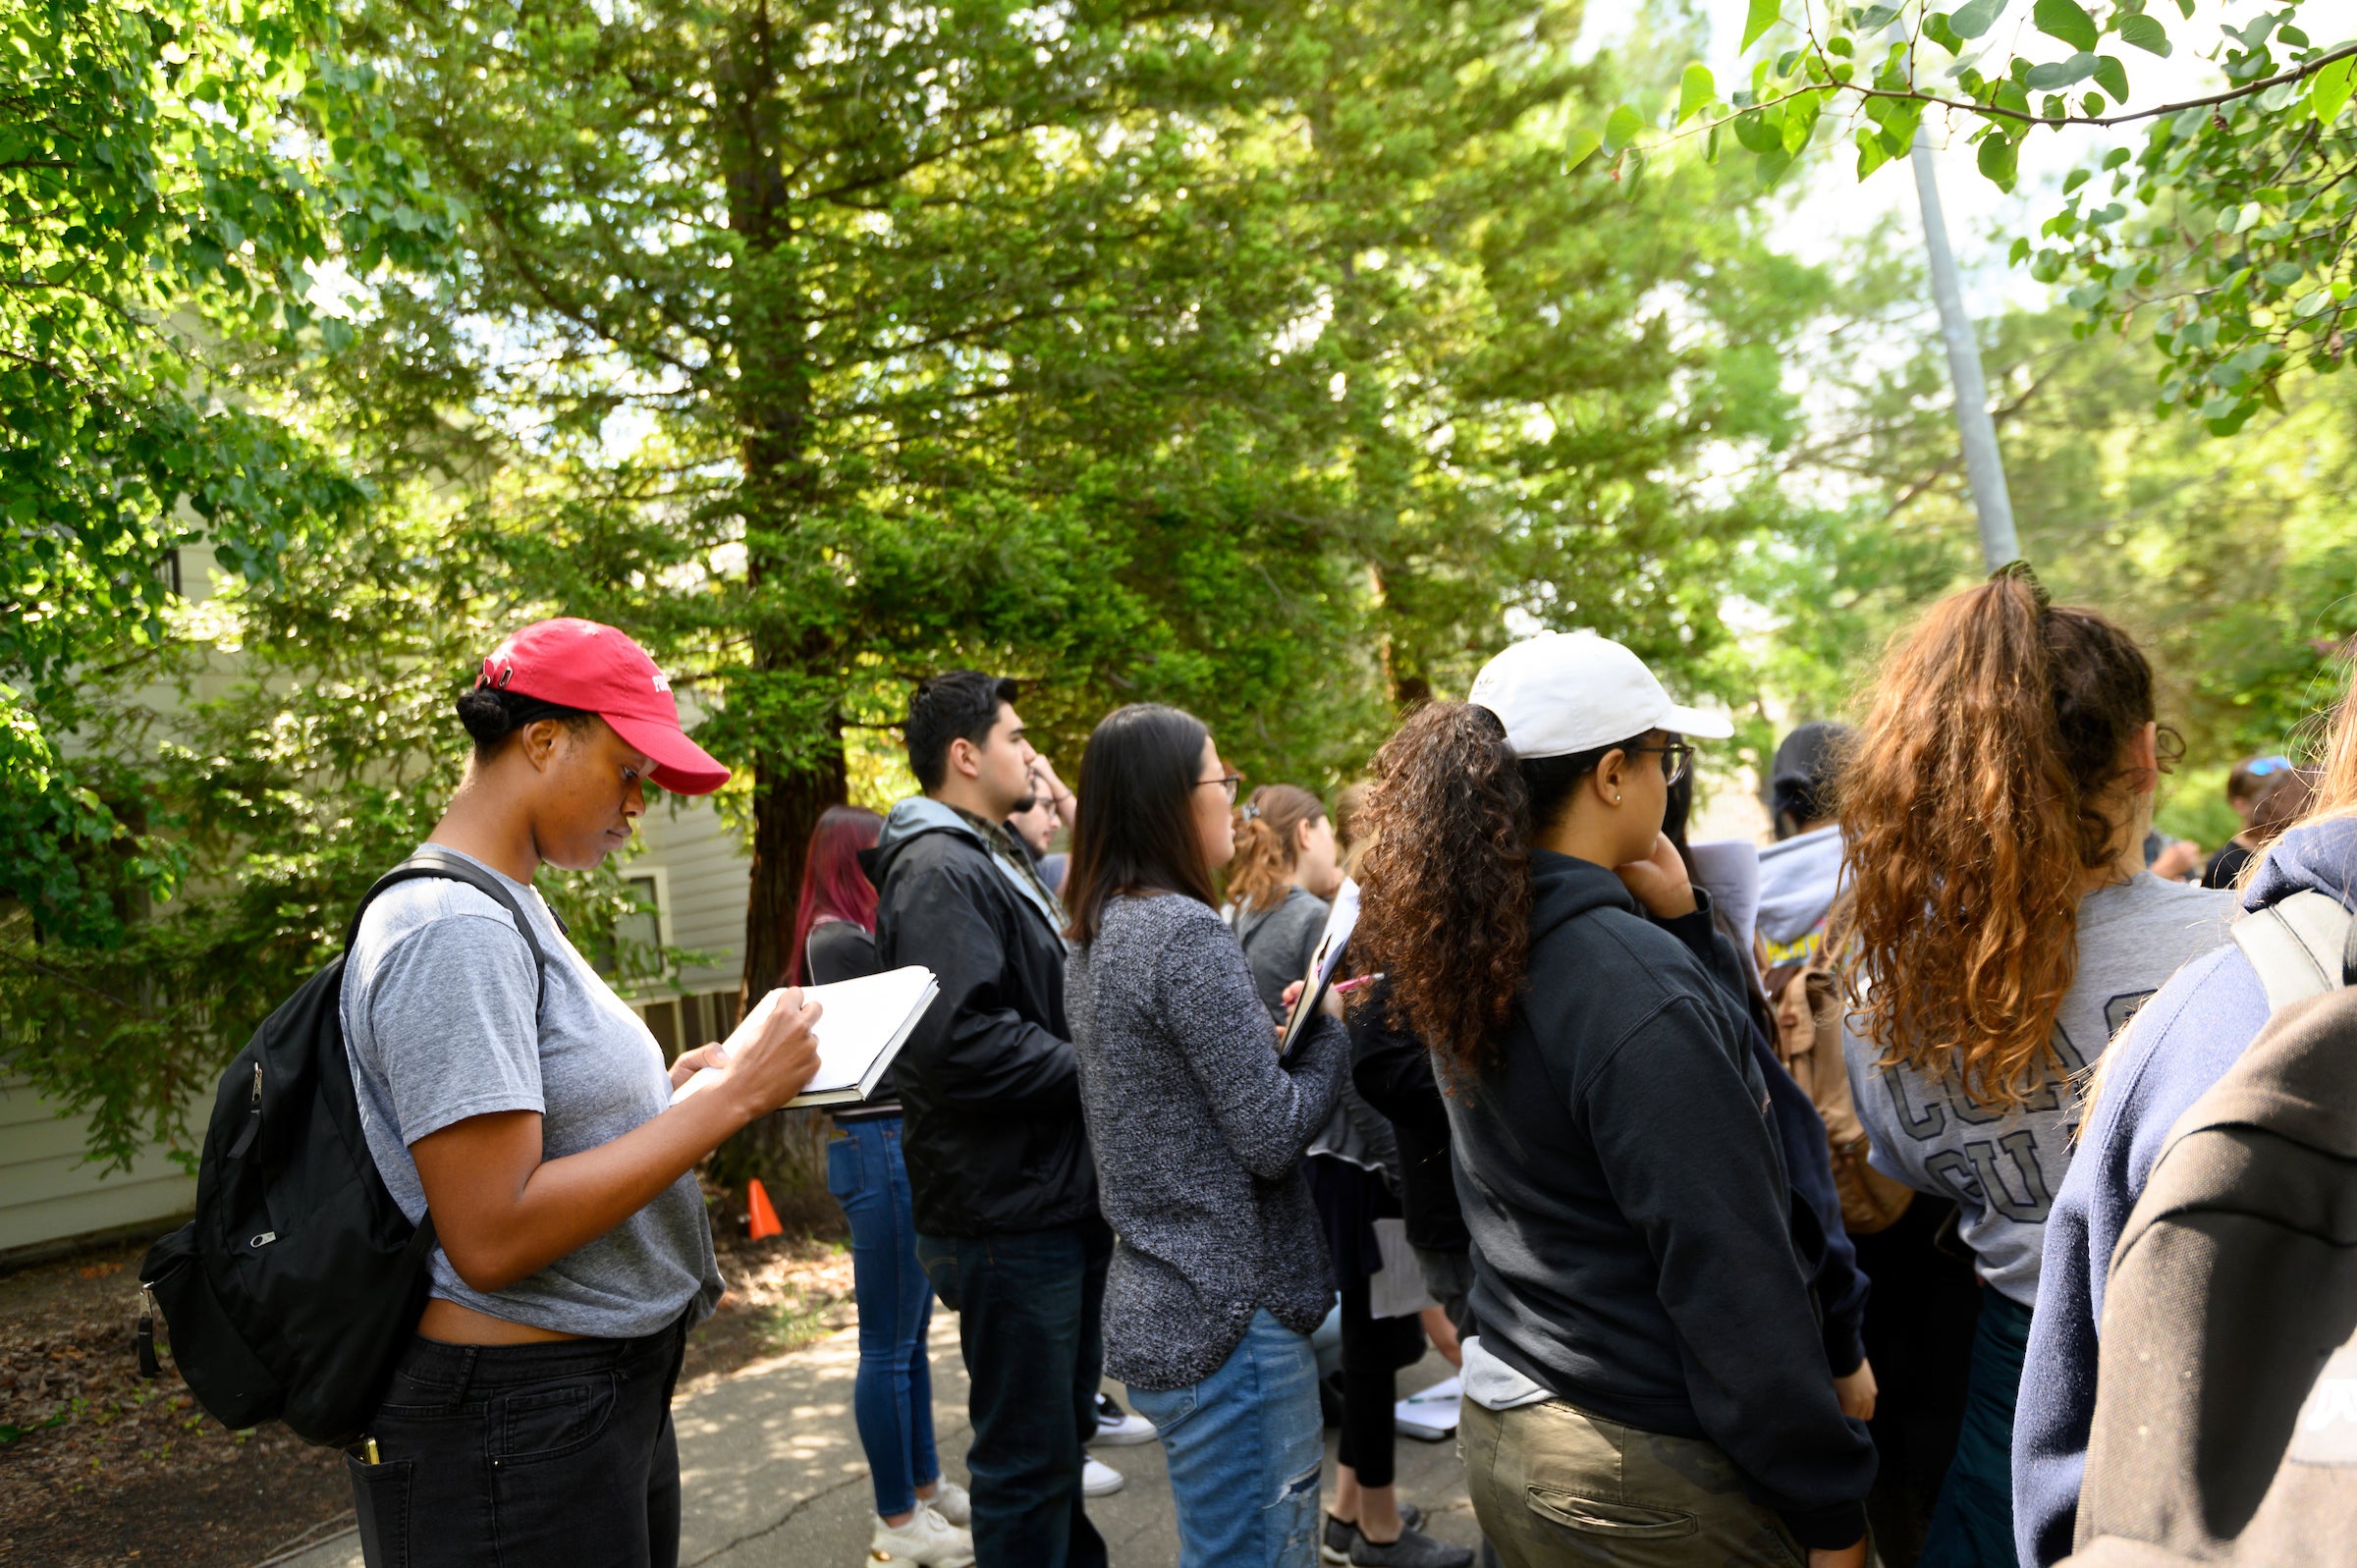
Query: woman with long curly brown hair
point(2002, 928)
point(2191, 1033)
point(1649, 1384)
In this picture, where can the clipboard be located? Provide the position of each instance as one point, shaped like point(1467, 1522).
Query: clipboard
point(1325, 961)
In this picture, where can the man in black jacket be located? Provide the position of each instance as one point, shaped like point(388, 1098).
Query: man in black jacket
point(1000, 1175)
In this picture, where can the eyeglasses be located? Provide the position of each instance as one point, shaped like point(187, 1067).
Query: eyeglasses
point(1677, 757)
point(1228, 783)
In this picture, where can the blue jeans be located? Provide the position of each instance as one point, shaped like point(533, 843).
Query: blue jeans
point(893, 1397)
point(1972, 1523)
point(1246, 1445)
point(1029, 1307)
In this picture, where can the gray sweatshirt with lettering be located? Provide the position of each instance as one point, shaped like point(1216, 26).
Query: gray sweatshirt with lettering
point(1198, 1134)
point(2001, 1168)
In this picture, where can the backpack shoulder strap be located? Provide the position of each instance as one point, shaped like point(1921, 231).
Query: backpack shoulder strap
point(2301, 946)
point(428, 862)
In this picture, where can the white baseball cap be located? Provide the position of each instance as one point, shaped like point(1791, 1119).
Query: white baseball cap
point(1562, 692)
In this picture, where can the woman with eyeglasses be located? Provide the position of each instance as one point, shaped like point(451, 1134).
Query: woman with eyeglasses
point(1197, 1128)
point(1649, 1384)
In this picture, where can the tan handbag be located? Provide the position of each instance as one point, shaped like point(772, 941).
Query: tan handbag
point(1808, 1040)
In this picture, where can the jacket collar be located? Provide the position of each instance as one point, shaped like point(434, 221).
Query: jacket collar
point(921, 814)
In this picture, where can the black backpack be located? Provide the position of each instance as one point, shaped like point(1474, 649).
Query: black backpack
point(2225, 1414)
point(298, 1283)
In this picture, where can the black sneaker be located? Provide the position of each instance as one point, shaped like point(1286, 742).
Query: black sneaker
point(1341, 1533)
point(1413, 1550)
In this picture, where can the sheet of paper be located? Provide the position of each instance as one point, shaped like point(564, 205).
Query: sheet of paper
point(1431, 1414)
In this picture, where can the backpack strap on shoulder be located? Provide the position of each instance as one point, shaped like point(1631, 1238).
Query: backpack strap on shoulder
point(430, 862)
point(2303, 946)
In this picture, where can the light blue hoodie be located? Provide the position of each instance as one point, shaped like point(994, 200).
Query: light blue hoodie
point(2183, 1041)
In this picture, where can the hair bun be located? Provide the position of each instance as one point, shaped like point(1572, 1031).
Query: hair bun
point(485, 714)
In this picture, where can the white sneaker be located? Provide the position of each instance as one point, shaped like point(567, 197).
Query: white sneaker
point(953, 1502)
point(1100, 1480)
point(1117, 1428)
point(927, 1539)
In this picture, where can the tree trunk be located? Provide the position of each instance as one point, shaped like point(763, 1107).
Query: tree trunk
point(786, 806)
point(786, 1150)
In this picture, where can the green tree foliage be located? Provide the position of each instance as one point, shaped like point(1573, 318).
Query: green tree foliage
point(162, 187)
point(1260, 363)
point(296, 733)
point(1254, 360)
point(2234, 562)
point(2223, 239)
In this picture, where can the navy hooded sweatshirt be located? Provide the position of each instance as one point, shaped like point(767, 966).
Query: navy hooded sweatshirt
point(2195, 1027)
point(1617, 1165)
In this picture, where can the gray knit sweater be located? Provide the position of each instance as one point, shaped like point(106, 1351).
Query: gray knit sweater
point(1198, 1134)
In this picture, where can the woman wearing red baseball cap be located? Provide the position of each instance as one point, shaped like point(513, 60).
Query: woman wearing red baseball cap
point(526, 1108)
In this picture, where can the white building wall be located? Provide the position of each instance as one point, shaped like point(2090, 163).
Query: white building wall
point(48, 1193)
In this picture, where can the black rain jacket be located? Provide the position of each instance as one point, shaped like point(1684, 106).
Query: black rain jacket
point(1618, 1167)
point(989, 1091)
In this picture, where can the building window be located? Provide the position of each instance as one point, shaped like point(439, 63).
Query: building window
point(167, 572)
point(645, 925)
point(640, 929)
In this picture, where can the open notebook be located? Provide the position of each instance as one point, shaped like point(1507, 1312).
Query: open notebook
point(863, 1027)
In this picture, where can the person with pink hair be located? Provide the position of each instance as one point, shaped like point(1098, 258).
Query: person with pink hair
point(920, 1515)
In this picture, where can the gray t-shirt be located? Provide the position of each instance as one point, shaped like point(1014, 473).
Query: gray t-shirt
point(2004, 1169)
point(438, 1010)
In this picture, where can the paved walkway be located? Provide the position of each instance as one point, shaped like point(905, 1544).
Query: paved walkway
point(774, 1477)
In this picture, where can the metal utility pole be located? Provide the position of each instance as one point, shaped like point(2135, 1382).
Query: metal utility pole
point(1984, 466)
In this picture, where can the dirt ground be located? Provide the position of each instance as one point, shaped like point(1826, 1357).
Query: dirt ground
point(97, 1466)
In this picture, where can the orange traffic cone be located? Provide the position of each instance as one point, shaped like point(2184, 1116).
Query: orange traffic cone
point(760, 1218)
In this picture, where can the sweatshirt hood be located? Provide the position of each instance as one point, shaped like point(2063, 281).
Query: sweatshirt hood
point(919, 815)
point(1799, 880)
point(908, 821)
point(2320, 857)
point(1562, 887)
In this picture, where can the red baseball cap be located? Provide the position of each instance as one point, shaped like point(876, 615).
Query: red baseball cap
point(599, 670)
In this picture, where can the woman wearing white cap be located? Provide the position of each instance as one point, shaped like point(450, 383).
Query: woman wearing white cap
point(505, 1091)
point(1649, 1385)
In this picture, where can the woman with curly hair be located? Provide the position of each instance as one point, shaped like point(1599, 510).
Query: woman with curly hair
point(2002, 928)
point(2183, 1041)
point(1649, 1384)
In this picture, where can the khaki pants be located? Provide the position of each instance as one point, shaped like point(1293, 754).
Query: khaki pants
point(1553, 1484)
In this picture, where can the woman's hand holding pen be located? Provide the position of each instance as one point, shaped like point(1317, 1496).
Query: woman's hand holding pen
point(772, 1056)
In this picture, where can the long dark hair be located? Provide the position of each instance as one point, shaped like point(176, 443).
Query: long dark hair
point(1985, 783)
point(1136, 832)
point(832, 884)
point(1444, 889)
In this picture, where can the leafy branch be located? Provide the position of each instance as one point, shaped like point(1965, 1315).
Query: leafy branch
point(2234, 219)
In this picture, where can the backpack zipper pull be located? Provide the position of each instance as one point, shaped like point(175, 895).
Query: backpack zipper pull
point(149, 1367)
point(254, 1119)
